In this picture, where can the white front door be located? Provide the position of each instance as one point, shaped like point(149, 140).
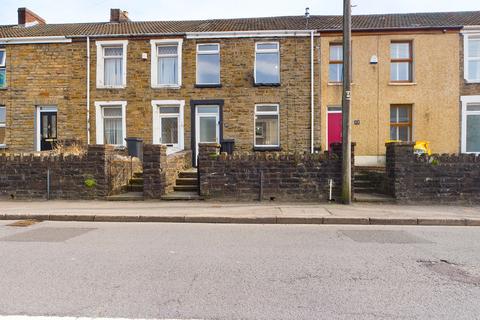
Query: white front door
point(207, 119)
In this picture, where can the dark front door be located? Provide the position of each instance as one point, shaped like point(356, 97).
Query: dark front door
point(48, 130)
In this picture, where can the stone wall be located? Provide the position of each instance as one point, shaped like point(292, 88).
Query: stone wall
point(46, 175)
point(435, 179)
point(160, 171)
point(269, 175)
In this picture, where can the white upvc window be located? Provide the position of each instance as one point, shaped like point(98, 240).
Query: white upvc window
point(267, 125)
point(3, 68)
point(111, 126)
point(112, 64)
point(3, 125)
point(472, 57)
point(168, 125)
point(208, 64)
point(267, 63)
point(471, 124)
point(166, 61)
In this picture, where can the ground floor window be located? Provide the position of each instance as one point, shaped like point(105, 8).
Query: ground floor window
point(401, 122)
point(3, 125)
point(471, 124)
point(267, 126)
point(111, 123)
point(168, 124)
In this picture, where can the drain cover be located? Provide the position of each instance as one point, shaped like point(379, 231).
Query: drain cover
point(47, 234)
point(382, 236)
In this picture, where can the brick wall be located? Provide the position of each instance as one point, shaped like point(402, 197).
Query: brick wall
point(436, 179)
point(269, 175)
point(24, 176)
point(160, 171)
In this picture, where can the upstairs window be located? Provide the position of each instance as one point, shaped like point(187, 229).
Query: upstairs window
point(3, 70)
point(111, 64)
point(401, 61)
point(267, 63)
point(208, 64)
point(166, 63)
point(267, 127)
point(401, 123)
point(335, 69)
point(3, 125)
point(472, 58)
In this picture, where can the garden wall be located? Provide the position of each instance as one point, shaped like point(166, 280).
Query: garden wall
point(97, 173)
point(434, 179)
point(269, 175)
point(160, 170)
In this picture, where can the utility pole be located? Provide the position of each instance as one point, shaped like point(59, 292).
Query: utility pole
point(346, 134)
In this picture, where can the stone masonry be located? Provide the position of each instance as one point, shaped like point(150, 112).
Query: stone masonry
point(25, 176)
point(269, 175)
point(435, 179)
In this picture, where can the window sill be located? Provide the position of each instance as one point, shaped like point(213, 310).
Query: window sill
point(3, 146)
point(208, 86)
point(402, 84)
point(3, 88)
point(335, 84)
point(266, 84)
point(111, 88)
point(176, 87)
point(257, 148)
point(472, 81)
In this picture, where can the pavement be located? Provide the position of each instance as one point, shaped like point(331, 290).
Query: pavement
point(255, 212)
point(239, 271)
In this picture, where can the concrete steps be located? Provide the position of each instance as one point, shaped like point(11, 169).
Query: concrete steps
point(186, 187)
point(182, 196)
point(127, 196)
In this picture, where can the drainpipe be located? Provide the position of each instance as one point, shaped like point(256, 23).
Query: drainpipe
point(312, 91)
point(88, 90)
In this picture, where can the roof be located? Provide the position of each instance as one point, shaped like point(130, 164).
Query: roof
point(320, 23)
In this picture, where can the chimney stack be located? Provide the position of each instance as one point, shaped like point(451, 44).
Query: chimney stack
point(117, 16)
point(29, 18)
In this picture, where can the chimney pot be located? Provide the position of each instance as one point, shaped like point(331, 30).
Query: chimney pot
point(26, 17)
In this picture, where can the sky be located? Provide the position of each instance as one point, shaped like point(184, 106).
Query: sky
point(65, 11)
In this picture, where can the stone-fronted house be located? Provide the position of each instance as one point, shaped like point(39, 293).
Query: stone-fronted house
point(268, 83)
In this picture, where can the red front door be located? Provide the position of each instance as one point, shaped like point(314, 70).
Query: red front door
point(334, 127)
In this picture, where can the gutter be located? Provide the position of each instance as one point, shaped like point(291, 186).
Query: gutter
point(28, 40)
point(248, 34)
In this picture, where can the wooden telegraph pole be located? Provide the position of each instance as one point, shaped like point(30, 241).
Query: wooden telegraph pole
point(346, 134)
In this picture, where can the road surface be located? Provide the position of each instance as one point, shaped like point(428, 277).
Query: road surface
point(205, 271)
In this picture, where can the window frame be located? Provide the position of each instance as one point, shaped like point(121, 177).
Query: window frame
point(211, 52)
point(157, 123)
point(101, 45)
point(397, 124)
point(154, 44)
point(269, 113)
point(3, 66)
point(330, 61)
point(277, 51)
point(4, 125)
point(99, 119)
point(466, 58)
point(402, 60)
point(466, 101)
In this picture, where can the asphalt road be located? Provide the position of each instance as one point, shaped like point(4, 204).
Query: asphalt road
point(201, 271)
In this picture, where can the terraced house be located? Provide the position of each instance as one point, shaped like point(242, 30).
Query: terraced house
point(267, 83)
